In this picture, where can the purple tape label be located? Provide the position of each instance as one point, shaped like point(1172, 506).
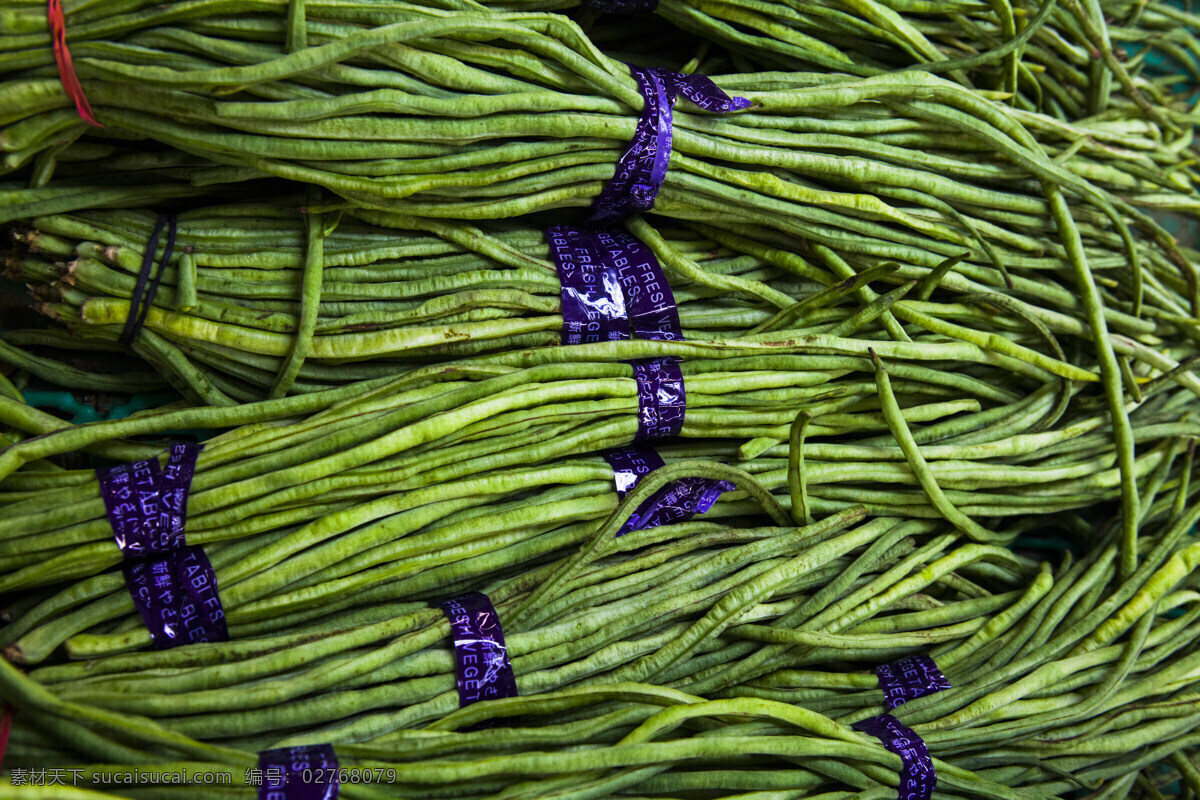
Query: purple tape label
point(174, 484)
point(630, 465)
point(148, 509)
point(908, 679)
point(130, 493)
point(173, 586)
point(593, 303)
point(662, 402)
point(176, 596)
point(648, 296)
point(917, 777)
point(633, 186)
point(704, 94)
point(678, 501)
point(308, 772)
point(200, 614)
point(622, 6)
point(642, 168)
point(484, 671)
point(612, 285)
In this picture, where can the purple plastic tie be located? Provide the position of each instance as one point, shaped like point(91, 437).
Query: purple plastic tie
point(630, 465)
point(285, 772)
point(130, 493)
point(201, 615)
point(678, 501)
point(176, 596)
point(483, 669)
point(148, 509)
point(642, 168)
point(633, 186)
point(173, 585)
point(174, 484)
point(622, 6)
point(908, 679)
point(648, 297)
point(593, 303)
point(917, 777)
point(662, 401)
point(612, 286)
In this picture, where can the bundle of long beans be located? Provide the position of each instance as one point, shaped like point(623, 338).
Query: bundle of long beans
point(408, 116)
point(236, 298)
point(432, 450)
point(650, 603)
point(231, 304)
point(387, 529)
point(1075, 678)
point(385, 300)
point(1069, 57)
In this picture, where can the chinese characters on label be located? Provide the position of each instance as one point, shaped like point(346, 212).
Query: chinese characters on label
point(172, 584)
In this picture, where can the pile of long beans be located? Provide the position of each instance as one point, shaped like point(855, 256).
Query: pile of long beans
point(416, 117)
point(388, 527)
point(935, 331)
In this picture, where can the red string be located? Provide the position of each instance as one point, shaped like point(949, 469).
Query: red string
point(66, 69)
point(5, 727)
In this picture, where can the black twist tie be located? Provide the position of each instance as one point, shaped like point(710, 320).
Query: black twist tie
point(143, 295)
